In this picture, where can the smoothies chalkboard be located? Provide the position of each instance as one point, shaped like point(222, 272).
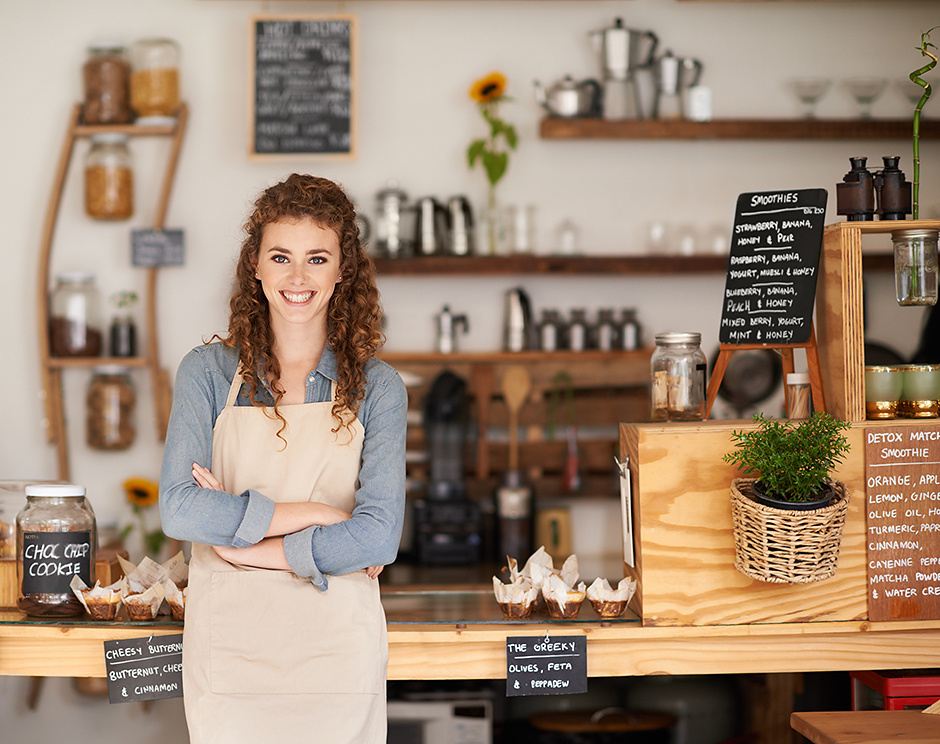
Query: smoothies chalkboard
point(902, 489)
point(303, 85)
point(771, 282)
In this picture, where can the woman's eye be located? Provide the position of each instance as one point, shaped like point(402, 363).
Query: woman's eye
point(317, 259)
point(278, 258)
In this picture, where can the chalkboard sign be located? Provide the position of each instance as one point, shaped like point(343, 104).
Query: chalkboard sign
point(144, 668)
point(539, 665)
point(303, 85)
point(51, 559)
point(902, 485)
point(771, 282)
point(151, 248)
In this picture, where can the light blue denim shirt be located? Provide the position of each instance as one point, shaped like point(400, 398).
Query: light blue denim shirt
point(188, 512)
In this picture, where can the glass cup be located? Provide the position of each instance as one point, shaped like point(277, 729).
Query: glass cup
point(920, 391)
point(882, 391)
point(915, 266)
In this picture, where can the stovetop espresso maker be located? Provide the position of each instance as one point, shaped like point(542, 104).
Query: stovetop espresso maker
point(623, 51)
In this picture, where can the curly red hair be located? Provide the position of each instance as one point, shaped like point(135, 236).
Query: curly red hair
point(354, 315)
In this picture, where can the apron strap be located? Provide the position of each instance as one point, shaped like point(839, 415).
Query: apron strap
point(238, 380)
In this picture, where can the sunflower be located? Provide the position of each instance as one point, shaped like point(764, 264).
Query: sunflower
point(141, 492)
point(488, 88)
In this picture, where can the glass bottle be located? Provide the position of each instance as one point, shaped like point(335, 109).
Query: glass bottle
point(155, 87)
point(109, 178)
point(110, 409)
point(578, 330)
point(106, 78)
point(74, 324)
point(678, 377)
point(629, 335)
point(606, 330)
point(56, 539)
point(915, 266)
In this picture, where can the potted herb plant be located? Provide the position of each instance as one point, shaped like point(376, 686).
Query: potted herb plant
point(788, 516)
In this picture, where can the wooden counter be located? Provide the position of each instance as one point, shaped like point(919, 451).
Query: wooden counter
point(422, 648)
point(868, 727)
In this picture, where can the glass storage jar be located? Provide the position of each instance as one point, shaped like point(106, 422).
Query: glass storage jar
point(678, 377)
point(106, 77)
point(109, 178)
point(915, 266)
point(629, 334)
point(578, 330)
point(110, 409)
point(155, 88)
point(74, 324)
point(56, 539)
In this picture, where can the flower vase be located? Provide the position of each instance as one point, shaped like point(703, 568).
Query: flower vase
point(492, 226)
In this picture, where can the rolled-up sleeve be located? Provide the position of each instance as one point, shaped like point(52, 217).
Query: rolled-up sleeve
point(371, 536)
point(187, 511)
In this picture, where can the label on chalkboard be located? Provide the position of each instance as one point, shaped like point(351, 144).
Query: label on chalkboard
point(303, 85)
point(144, 668)
point(539, 665)
point(770, 287)
point(902, 487)
point(51, 559)
point(151, 248)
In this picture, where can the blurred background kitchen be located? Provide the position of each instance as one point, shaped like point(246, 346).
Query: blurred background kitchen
point(417, 61)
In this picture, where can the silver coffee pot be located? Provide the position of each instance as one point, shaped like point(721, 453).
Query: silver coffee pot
point(674, 76)
point(448, 324)
point(623, 51)
point(518, 330)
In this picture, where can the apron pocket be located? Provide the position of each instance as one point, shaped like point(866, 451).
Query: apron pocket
point(274, 632)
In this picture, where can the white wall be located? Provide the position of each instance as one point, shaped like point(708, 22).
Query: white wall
point(417, 62)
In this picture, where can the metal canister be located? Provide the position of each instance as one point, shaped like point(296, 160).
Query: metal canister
point(678, 377)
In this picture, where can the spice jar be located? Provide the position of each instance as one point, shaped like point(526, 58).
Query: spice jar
point(629, 334)
point(110, 409)
point(155, 89)
point(799, 395)
point(578, 330)
point(56, 539)
point(109, 178)
point(106, 76)
point(75, 328)
point(606, 331)
point(678, 377)
point(550, 328)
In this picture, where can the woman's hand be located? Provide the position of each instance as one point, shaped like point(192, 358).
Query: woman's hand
point(373, 571)
point(205, 479)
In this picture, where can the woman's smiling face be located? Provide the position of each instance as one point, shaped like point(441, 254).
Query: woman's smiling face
point(299, 267)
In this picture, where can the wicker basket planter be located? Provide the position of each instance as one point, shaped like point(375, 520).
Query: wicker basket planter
point(782, 546)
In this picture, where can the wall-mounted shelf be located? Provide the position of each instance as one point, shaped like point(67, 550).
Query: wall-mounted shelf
point(620, 265)
point(736, 129)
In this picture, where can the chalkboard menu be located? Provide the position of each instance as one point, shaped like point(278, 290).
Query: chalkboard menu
point(540, 665)
point(144, 668)
point(303, 85)
point(902, 485)
point(771, 282)
point(51, 559)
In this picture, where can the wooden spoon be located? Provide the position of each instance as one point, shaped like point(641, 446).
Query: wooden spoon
point(515, 387)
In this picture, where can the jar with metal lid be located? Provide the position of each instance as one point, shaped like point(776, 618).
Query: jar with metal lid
point(74, 323)
point(915, 266)
point(550, 331)
point(109, 178)
point(56, 539)
point(578, 330)
point(605, 333)
point(678, 377)
point(629, 334)
point(106, 77)
point(155, 88)
point(110, 409)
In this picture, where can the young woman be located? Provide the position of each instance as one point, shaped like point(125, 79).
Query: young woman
point(285, 466)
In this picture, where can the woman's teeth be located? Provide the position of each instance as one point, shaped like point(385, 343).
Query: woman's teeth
point(297, 297)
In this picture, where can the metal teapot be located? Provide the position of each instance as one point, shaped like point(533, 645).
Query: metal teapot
point(570, 98)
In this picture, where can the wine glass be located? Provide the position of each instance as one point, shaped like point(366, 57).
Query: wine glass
point(809, 90)
point(865, 91)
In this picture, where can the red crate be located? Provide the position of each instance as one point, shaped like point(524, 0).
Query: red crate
point(899, 690)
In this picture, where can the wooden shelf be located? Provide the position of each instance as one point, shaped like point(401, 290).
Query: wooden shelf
point(619, 265)
point(90, 362)
point(736, 129)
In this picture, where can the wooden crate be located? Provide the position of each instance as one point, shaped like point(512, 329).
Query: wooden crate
point(683, 535)
point(839, 312)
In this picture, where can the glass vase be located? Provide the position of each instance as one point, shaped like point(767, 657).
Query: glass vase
point(915, 266)
point(493, 226)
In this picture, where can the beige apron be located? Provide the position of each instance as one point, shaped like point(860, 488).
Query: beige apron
point(265, 653)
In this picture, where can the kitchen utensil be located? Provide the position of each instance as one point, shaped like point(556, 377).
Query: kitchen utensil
point(622, 53)
point(447, 326)
point(570, 98)
point(571, 476)
point(430, 227)
point(518, 331)
point(674, 77)
point(514, 498)
point(390, 240)
point(459, 226)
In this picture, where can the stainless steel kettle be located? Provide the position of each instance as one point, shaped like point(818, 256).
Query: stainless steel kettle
point(570, 98)
point(460, 236)
point(430, 227)
point(518, 330)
